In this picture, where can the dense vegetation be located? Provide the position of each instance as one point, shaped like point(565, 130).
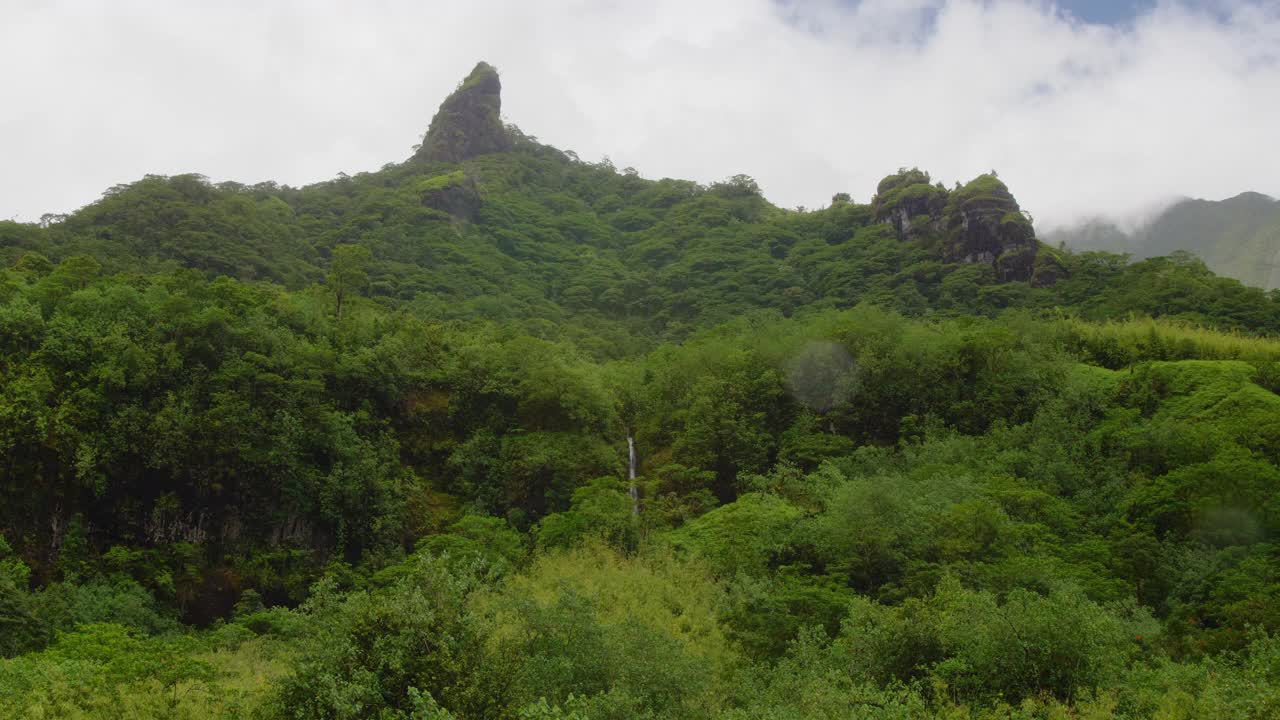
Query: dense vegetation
point(360, 450)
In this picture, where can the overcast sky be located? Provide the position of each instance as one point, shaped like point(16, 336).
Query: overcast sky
point(1083, 107)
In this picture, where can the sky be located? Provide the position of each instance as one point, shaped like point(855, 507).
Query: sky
point(1106, 11)
point(1085, 108)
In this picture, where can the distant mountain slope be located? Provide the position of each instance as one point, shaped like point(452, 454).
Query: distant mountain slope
point(1238, 237)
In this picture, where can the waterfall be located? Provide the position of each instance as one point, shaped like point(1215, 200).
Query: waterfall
point(631, 474)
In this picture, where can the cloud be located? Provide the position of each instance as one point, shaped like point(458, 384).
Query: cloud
point(809, 97)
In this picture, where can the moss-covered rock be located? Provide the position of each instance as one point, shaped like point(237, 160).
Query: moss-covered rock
point(469, 121)
point(977, 223)
point(903, 197)
point(984, 224)
point(455, 193)
point(1047, 268)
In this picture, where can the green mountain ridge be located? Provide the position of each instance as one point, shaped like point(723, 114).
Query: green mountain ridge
point(1238, 237)
point(485, 222)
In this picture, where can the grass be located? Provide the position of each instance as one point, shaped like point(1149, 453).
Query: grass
point(1124, 342)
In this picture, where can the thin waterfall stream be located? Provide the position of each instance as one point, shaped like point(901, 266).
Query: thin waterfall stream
point(631, 474)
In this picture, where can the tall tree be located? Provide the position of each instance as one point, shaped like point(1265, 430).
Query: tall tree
point(347, 273)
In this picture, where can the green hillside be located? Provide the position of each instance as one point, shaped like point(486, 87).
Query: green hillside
point(497, 433)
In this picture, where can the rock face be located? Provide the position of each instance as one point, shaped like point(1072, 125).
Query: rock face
point(903, 198)
point(469, 121)
point(983, 224)
point(454, 193)
point(977, 223)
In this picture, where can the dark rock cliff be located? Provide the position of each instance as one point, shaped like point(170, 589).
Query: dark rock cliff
point(983, 224)
point(469, 121)
point(455, 193)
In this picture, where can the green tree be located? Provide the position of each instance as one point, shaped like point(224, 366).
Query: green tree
point(348, 273)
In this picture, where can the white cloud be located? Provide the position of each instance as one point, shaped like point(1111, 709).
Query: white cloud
point(811, 97)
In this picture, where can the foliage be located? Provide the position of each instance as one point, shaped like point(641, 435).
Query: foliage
point(370, 649)
point(629, 638)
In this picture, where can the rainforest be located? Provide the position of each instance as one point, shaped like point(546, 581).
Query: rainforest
point(496, 432)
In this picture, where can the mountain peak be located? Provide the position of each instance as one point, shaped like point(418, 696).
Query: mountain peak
point(469, 121)
point(1250, 199)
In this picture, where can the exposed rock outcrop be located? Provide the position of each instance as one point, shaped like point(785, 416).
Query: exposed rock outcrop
point(469, 121)
point(983, 224)
point(454, 193)
point(1048, 267)
point(904, 197)
point(977, 223)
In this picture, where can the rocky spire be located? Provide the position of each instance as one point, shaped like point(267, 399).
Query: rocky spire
point(469, 121)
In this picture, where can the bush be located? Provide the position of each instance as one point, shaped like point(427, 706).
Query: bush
point(627, 637)
point(985, 649)
point(370, 649)
point(66, 606)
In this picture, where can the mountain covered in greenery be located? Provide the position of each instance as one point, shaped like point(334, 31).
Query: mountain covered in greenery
point(517, 231)
point(494, 432)
point(1238, 237)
